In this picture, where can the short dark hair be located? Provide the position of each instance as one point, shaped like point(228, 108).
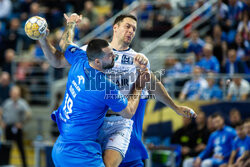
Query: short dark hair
point(123, 16)
point(247, 120)
point(241, 123)
point(94, 49)
point(217, 114)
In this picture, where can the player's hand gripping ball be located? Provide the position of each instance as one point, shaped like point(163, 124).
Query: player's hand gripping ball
point(35, 27)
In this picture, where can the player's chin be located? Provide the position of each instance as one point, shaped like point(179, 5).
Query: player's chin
point(128, 41)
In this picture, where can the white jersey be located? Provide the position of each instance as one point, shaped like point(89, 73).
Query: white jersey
point(124, 72)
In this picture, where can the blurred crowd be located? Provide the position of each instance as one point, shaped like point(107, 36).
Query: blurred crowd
point(225, 49)
point(210, 140)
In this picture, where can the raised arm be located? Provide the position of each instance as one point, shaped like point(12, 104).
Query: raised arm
point(55, 57)
point(68, 34)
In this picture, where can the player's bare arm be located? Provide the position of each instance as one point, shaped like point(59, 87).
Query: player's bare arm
point(54, 56)
point(68, 34)
point(134, 98)
point(163, 96)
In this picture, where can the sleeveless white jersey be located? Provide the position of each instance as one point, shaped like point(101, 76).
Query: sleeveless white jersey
point(124, 72)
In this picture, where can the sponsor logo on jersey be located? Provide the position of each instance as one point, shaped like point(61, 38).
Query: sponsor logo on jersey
point(72, 50)
point(127, 59)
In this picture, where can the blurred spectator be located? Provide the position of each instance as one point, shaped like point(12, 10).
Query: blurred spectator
point(5, 86)
point(238, 89)
point(213, 91)
point(90, 13)
point(15, 112)
point(247, 126)
point(209, 63)
point(187, 66)
point(235, 11)
point(13, 35)
point(193, 88)
point(210, 125)
point(9, 58)
point(219, 40)
point(173, 66)
point(84, 27)
point(239, 145)
point(244, 25)
point(244, 160)
point(196, 43)
point(219, 145)
point(200, 135)
point(233, 65)
point(5, 8)
point(234, 117)
point(240, 46)
point(35, 10)
point(183, 136)
point(222, 12)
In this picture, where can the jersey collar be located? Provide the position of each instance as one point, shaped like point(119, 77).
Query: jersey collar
point(121, 50)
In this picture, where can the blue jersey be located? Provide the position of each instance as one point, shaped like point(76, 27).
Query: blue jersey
point(124, 74)
point(211, 64)
point(87, 98)
point(211, 93)
point(220, 143)
point(240, 146)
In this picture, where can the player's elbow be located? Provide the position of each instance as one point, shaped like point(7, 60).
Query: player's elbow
point(128, 112)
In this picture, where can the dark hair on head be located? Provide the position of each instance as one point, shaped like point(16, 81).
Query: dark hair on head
point(217, 114)
point(247, 120)
point(240, 123)
point(94, 49)
point(120, 18)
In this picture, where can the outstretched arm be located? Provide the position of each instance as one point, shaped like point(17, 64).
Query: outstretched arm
point(162, 95)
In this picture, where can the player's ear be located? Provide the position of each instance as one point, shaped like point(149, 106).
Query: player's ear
point(97, 61)
point(115, 27)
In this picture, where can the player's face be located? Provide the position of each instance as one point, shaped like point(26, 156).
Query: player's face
point(240, 131)
point(247, 128)
point(125, 30)
point(108, 61)
point(218, 123)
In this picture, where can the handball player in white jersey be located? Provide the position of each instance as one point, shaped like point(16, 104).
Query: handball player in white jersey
point(120, 146)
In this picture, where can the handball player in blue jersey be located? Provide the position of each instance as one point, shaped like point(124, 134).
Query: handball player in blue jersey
point(89, 94)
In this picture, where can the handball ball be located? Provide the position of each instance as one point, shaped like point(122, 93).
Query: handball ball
point(35, 27)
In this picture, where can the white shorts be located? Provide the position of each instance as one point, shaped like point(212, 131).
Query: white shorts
point(115, 134)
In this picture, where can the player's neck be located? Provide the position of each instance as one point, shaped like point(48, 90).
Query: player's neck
point(118, 45)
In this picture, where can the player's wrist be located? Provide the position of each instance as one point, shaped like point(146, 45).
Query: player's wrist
point(73, 23)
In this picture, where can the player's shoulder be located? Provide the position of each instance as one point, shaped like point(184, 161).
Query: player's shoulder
point(230, 130)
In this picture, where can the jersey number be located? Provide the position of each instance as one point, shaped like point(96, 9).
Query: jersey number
point(68, 106)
